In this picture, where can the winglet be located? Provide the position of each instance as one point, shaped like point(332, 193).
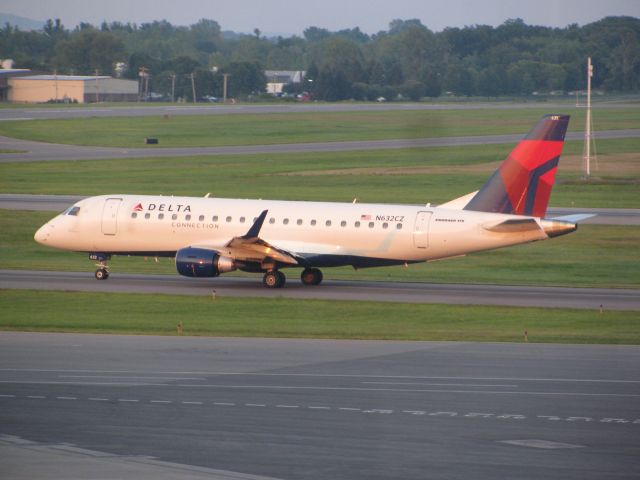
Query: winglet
point(254, 231)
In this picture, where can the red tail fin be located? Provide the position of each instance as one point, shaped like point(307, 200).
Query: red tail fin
point(523, 182)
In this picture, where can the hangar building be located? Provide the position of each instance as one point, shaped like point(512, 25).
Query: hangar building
point(70, 88)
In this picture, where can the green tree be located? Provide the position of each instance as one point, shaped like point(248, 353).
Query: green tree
point(245, 78)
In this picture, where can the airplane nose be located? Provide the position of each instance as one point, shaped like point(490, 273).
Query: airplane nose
point(42, 235)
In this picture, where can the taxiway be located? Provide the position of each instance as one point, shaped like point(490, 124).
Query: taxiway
point(313, 409)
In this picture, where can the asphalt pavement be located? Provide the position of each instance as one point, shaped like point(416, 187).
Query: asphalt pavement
point(229, 286)
point(311, 409)
point(30, 151)
point(143, 110)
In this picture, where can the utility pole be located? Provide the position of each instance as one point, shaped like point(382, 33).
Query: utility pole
point(225, 76)
point(173, 87)
point(193, 86)
point(586, 157)
point(97, 88)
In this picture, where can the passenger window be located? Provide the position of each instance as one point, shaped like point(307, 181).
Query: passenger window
point(174, 216)
point(299, 222)
point(214, 218)
point(285, 221)
point(228, 219)
point(328, 223)
point(187, 217)
point(313, 223)
point(371, 224)
point(160, 216)
point(357, 224)
point(201, 218)
point(399, 226)
point(147, 216)
point(241, 219)
point(134, 215)
point(272, 220)
point(385, 225)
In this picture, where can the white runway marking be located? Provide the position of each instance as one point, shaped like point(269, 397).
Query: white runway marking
point(416, 390)
point(441, 384)
point(327, 375)
point(371, 411)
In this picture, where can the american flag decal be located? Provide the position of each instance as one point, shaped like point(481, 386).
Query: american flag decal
point(365, 217)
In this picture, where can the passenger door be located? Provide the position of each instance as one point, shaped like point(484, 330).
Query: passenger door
point(110, 216)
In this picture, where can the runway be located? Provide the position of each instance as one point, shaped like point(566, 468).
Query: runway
point(453, 294)
point(35, 113)
point(58, 203)
point(30, 151)
point(291, 409)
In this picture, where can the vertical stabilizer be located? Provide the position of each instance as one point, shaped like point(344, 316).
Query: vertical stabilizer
point(523, 182)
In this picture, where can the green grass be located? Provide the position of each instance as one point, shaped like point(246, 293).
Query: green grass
point(253, 317)
point(595, 255)
point(277, 176)
point(295, 127)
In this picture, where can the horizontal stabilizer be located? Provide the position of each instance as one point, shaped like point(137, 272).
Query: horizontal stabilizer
point(514, 225)
point(575, 218)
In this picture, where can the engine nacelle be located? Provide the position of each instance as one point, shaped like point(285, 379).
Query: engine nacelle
point(200, 262)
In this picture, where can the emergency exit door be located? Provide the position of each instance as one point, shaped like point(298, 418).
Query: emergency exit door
point(421, 230)
point(110, 216)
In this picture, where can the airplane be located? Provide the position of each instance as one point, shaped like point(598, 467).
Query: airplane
point(211, 236)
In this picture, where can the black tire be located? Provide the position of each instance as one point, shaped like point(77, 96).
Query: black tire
point(311, 276)
point(274, 279)
point(101, 274)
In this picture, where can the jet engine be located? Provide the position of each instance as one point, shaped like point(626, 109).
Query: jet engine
point(200, 262)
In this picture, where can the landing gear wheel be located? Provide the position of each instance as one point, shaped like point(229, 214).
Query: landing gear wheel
point(311, 276)
point(274, 279)
point(102, 274)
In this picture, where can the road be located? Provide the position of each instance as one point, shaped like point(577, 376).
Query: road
point(457, 294)
point(29, 151)
point(59, 203)
point(35, 113)
point(291, 409)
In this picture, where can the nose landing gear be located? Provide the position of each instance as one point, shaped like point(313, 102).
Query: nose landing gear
point(102, 273)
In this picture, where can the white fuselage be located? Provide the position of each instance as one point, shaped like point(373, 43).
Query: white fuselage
point(326, 232)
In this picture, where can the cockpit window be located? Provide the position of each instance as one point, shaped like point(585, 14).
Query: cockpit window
point(72, 211)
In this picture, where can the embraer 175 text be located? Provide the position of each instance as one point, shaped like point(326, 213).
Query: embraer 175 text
point(210, 236)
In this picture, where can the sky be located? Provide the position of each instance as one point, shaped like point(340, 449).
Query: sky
point(288, 17)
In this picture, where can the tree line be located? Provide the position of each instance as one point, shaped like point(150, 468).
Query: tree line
point(406, 60)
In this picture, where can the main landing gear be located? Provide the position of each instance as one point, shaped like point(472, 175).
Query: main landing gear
point(311, 276)
point(276, 279)
point(102, 273)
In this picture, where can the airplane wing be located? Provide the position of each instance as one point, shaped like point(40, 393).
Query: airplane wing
point(251, 248)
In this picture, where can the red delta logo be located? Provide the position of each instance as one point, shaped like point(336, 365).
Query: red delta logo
point(138, 208)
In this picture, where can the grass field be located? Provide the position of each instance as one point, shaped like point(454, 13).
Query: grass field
point(388, 176)
point(593, 256)
point(295, 127)
point(250, 317)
